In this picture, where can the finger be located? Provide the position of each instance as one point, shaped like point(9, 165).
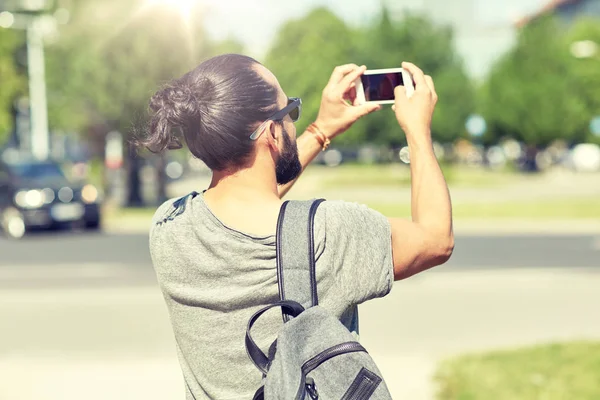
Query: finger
point(417, 75)
point(367, 108)
point(339, 72)
point(431, 85)
point(351, 77)
point(400, 95)
point(429, 82)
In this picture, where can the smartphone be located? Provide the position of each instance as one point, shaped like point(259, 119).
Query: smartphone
point(377, 85)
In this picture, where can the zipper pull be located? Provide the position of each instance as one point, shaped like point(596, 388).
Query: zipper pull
point(311, 388)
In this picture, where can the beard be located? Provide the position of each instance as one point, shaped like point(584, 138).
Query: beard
point(288, 165)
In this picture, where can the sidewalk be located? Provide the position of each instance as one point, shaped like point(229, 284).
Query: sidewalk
point(141, 225)
point(440, 314)
point(117, 343)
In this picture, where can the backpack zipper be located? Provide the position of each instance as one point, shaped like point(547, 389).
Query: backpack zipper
point(313, 363)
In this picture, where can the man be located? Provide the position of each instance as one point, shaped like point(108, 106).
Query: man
point(214, 252)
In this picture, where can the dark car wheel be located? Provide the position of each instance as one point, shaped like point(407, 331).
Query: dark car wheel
point(13, 224)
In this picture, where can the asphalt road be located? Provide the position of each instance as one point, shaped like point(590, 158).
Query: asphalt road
point(470, 251)
point(64, 258)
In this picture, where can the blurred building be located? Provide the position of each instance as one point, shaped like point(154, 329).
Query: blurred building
point(566, 10)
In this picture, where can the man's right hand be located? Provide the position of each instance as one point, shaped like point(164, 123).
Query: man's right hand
point(414, 114)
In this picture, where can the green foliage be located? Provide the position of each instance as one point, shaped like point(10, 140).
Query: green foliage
point(111, 72)
point(304, 54)
point(559, 371)
point(417, 39)
point(587, 71)
point(12, 81)
point(113, 55)
point(116, 63)
point(307, 50)
point(532, 93)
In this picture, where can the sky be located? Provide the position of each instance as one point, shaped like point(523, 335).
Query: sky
point(484, 36)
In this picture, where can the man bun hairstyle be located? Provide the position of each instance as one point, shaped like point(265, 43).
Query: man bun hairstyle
point(215, 107)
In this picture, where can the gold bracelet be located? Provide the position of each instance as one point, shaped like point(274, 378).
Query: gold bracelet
point(321, 138)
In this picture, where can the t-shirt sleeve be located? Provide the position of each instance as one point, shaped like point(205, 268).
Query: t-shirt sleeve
point(359, 243)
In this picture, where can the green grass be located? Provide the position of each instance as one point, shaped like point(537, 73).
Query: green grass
point(552, 372)
point(578, 208)
point(369, 178)
point(349, 176)
point(394, 175)
point(118, 213)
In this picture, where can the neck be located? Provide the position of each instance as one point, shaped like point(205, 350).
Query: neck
point(246, 184)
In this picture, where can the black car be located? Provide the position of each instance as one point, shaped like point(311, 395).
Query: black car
point(36, 194)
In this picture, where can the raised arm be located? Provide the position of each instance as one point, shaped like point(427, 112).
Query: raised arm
point(337, 113)
point(427, 239)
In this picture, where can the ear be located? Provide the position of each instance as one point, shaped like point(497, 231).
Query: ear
point(272, 134)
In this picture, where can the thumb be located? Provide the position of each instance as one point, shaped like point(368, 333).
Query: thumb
point(400, 95)
point(366, 108)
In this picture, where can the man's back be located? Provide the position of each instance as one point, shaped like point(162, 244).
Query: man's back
point(215, 277)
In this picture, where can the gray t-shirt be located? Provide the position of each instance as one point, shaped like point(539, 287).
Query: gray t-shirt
point(214, 278)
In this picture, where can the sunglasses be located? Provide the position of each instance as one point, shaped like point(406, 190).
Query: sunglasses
point(293, 109)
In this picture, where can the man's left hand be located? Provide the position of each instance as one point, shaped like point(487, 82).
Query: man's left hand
point(339, 108)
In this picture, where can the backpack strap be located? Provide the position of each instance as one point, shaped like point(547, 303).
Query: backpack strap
point(257, 356)
point(296, 272)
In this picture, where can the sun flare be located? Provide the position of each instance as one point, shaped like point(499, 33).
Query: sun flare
point(184, 7)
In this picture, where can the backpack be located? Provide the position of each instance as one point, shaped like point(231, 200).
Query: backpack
point(314, 356)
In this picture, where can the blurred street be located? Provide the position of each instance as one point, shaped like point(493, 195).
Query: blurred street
point(85, 314)
point(88, 86)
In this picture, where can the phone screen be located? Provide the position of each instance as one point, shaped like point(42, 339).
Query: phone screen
point(379, 87)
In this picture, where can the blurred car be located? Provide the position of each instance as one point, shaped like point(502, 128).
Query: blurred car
point(36, 195)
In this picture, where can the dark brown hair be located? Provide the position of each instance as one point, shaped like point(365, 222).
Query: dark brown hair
point(216, 107)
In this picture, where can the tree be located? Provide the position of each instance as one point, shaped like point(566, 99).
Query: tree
point(115, 64)
point(586, 68)
point(304, 54)
point(306, 51)
point(531, 92)
point(112, 72)
point(388, 43)
point(12, 81)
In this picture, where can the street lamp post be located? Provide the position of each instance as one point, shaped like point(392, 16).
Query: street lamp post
point(37, 90)
point(33, 19)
